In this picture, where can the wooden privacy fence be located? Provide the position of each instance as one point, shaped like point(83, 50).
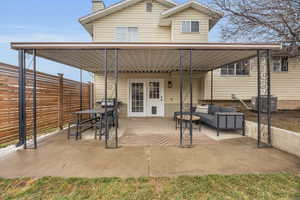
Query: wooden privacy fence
point(57, 98)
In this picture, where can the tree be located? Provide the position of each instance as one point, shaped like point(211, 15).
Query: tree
point(261, 20)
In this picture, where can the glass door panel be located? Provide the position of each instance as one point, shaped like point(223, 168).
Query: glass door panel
point(137, 97)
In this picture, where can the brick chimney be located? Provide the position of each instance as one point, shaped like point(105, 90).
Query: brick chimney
point(97, 5)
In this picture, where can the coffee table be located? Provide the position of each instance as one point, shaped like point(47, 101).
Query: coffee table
point(186, 120)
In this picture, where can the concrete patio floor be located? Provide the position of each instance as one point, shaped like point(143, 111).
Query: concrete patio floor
point(57, 156)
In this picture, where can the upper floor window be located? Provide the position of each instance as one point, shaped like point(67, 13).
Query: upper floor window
point(126, 34)
point(149, 6)
point(241, 68)
point(190, 26)
point(280, 64)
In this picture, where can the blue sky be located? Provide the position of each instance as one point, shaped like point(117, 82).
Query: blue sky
point(49, 21)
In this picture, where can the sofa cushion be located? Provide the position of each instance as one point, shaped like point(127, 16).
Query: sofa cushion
point(202, 109)
point(227, 109)
point(212, 109)
point(200, 114)
point(207, 118)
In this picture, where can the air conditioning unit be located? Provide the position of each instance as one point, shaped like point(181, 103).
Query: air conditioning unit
point(264, 103)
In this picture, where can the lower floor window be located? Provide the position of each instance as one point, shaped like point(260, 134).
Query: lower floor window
point(240, 68)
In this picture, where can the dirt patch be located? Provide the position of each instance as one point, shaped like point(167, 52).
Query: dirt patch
point(285, 119)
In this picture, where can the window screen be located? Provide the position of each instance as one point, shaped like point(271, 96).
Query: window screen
point(228, 69)
point(186, 26)
point(190, 26)
point(276, 64)
point(121, 34)
point(284, 64)
point(241, 68)
point(194, 26)
point(280, 64)
point(132, 34)
point(126, 34)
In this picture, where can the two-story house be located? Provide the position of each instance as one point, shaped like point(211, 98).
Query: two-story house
point(150, 94)
point(156, 94)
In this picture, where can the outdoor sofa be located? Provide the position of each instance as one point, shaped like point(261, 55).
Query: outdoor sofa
point(220, 118)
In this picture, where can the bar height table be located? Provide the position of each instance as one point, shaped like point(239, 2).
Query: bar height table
point(96, 113)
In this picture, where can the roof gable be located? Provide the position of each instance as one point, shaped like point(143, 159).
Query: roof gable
point(213, 14)
point(115, 8)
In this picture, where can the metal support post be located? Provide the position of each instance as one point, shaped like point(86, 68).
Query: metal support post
point(258, 99)
point(116, 96)
point(34, 120)
point(269, 97)
point(21, 85)
point(191, 97)
point(181, 95)
point(105, 99)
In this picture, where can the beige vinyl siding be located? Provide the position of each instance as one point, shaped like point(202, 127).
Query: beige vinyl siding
point(134, 16)
point(190, 14)
point(284, 85)
point(171, 94)
point(224, 86)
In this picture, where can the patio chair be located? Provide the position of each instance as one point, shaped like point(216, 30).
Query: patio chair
point(100, 124)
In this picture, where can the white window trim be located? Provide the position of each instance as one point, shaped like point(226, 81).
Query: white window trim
point(189, 20)
point(146, 112)
point(127, 32)
point(236, 75)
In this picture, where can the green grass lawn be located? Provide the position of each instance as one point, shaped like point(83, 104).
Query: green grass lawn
point(267, 186)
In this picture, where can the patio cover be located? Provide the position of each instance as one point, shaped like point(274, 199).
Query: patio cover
point(144, 57)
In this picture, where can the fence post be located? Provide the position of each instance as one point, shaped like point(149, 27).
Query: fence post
point(60, 101)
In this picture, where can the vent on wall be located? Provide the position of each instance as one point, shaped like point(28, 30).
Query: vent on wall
point(149, 6)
